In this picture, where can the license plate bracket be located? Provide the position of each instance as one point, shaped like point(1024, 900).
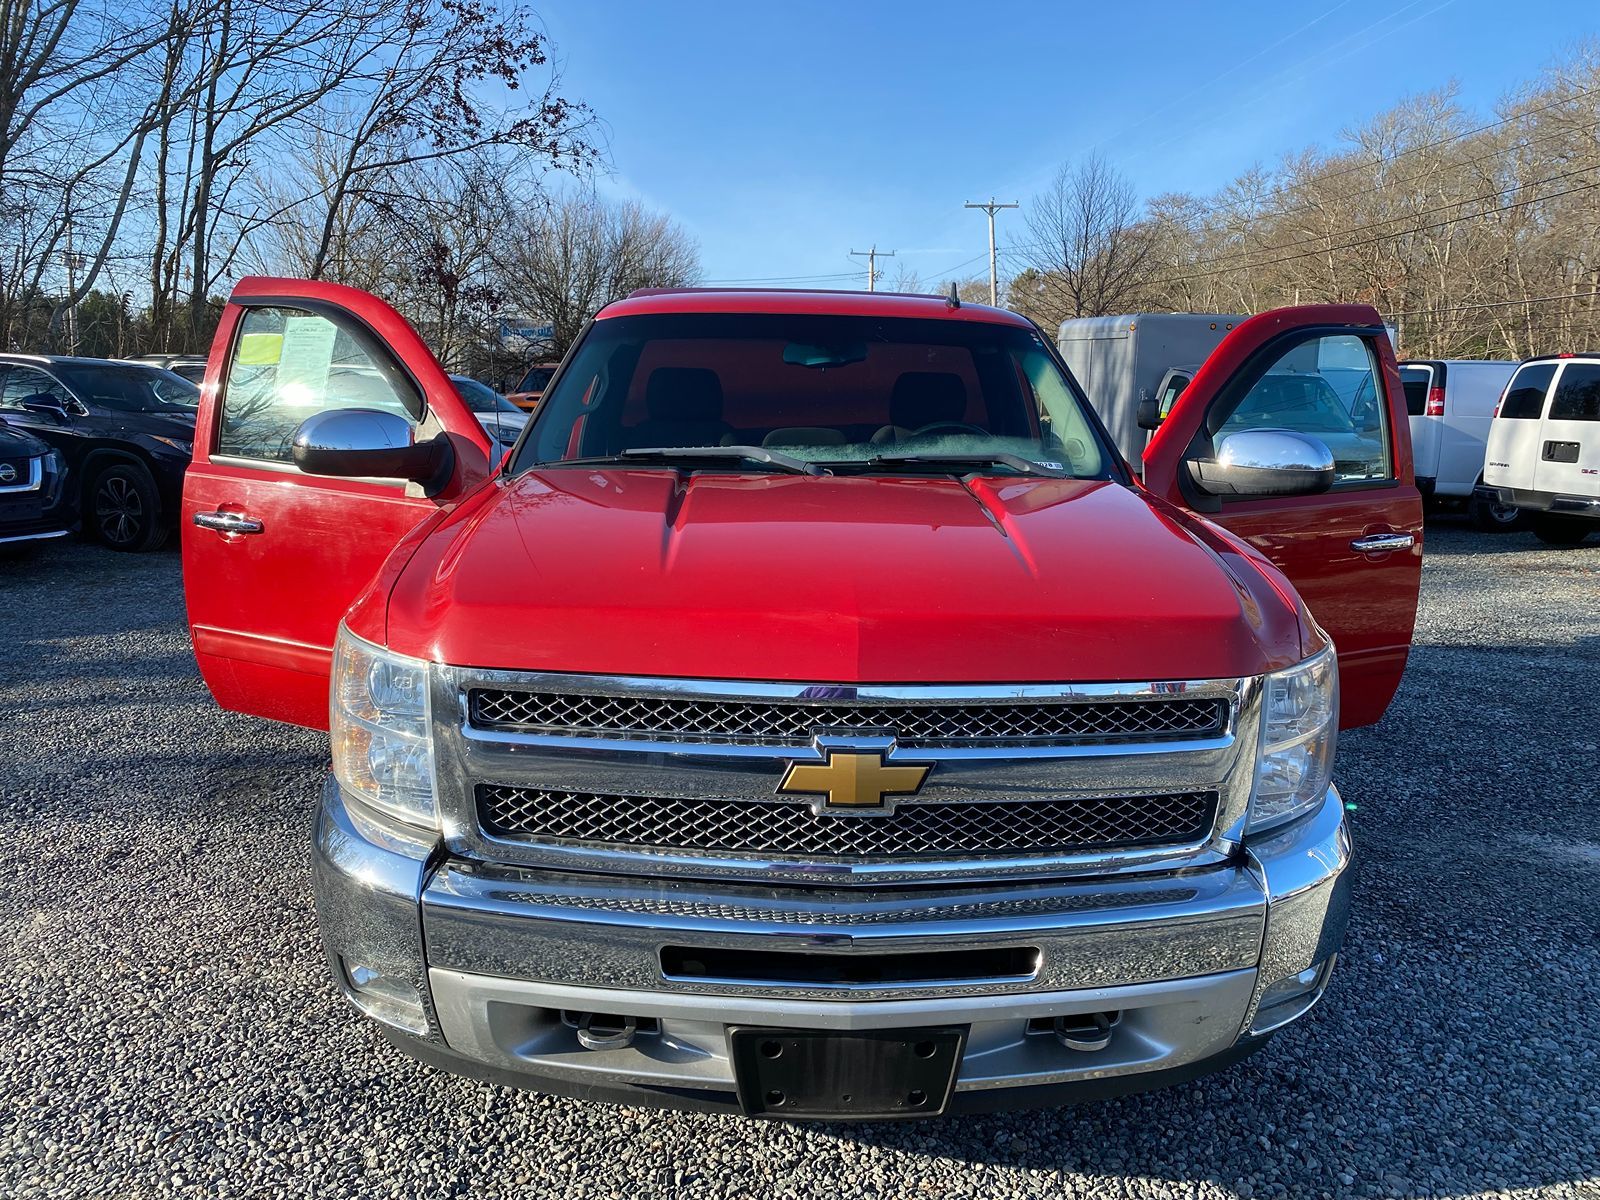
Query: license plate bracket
point(16, 510)
point(823, 1075)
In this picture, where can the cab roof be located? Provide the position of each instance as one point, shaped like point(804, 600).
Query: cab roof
point(824, 303)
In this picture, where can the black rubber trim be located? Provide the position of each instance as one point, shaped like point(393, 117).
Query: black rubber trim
point(1012, 1099)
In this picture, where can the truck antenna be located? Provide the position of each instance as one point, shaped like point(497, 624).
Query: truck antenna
point(953, 300)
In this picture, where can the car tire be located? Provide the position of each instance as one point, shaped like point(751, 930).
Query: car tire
point(1493, 517)
point(123, 510)
point(1561, 531)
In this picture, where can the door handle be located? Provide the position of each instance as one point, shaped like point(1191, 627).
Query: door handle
point(1383, 543)
point(227, 522)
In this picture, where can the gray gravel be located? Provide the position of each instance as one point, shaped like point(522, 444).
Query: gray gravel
point(166, 1027)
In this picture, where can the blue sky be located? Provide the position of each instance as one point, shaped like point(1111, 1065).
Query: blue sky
point(783, 136)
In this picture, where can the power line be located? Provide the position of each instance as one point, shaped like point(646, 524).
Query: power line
point(1239, 262)
point(872, 257)
point(1228, 258)
point(787, 278)
point(1385, 160)
point(1386, 236)
point(949, 271)
point(991, 208)
point(1237, 66)
point(943, 272)
point(1453, 308)
point(1322, 60)
point(1235, 259)
point(1392, 184)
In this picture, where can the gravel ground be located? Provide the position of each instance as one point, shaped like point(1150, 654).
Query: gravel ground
point(166, 1027)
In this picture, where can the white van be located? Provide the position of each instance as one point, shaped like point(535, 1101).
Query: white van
point(1544, 446)
point(1451, 404)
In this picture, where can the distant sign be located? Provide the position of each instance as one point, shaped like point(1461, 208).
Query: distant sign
point(525, 330)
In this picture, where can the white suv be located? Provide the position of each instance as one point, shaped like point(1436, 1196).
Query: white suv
point(1544, 446)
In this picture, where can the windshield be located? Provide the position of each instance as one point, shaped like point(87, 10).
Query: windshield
point(130, 388)
point(536, 379)
point(1303, 402)
point(848, 393)
point(481, 398)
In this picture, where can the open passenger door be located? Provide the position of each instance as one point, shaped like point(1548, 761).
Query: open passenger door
point(1354, 551)
point(273, 555)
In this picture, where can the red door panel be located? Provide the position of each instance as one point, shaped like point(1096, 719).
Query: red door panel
point(1366, 601)
point(265, 602)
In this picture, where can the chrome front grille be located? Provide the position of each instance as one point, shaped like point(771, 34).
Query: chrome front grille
point(679, 779)
point(793, 722)
point(1067, 825)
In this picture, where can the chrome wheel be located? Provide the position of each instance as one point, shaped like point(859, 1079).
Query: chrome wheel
point(119, 510)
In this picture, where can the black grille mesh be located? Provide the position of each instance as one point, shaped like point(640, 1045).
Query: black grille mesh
point(912, 830)
point(792, 723)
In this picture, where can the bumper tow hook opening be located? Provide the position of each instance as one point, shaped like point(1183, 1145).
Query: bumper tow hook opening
point(598, 1032)
point(1085, 1031)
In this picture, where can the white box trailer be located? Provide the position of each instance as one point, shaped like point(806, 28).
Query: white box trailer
point(1121, 360)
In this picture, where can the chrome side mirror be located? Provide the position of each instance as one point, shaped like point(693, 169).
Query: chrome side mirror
point(1265, 462)
point(367, 443)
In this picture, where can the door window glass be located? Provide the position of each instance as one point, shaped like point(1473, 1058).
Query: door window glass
point(1578, 394)
point(1169, 394)
point(25, 383)
point(1325, 387)
point(1524, 398)
point(288, 365)
point(130, 387)
point(1416, 381)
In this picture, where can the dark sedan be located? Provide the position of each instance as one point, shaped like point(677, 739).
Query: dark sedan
point(125, 430)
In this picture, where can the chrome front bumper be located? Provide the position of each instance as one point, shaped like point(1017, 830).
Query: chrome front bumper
point(495, 955)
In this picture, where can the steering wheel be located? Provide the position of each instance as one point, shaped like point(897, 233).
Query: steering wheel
point(949, 427)
point(1364, 413)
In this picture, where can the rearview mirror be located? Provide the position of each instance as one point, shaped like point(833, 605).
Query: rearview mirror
point(1265, 462)
point(370, 444)
point(1149, 414)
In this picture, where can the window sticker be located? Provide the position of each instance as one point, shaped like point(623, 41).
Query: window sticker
point(305, 358)
point(259, 349)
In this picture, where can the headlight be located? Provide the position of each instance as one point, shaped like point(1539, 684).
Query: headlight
point(1299, 731)
point(379, 726)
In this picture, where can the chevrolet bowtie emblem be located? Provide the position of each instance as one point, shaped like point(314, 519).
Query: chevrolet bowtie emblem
point(858, 780)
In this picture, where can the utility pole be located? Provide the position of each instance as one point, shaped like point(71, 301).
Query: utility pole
point(872, 256)
point(72, 282)
point(994, 276)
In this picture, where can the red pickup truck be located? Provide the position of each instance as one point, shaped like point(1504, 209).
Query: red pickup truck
point(812, 715)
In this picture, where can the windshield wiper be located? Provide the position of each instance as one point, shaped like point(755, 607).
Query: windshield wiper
point(688, 455)
point(974, 461)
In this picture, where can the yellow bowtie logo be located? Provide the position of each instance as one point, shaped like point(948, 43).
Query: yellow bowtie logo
point(854, 780)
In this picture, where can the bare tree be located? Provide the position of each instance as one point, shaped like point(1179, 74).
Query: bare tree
point(565, 260)
point(1475, 236)
point(421, 105)
point(70, 140)
point(1089, 250)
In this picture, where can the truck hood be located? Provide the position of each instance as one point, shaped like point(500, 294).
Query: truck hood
point(838, 579)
